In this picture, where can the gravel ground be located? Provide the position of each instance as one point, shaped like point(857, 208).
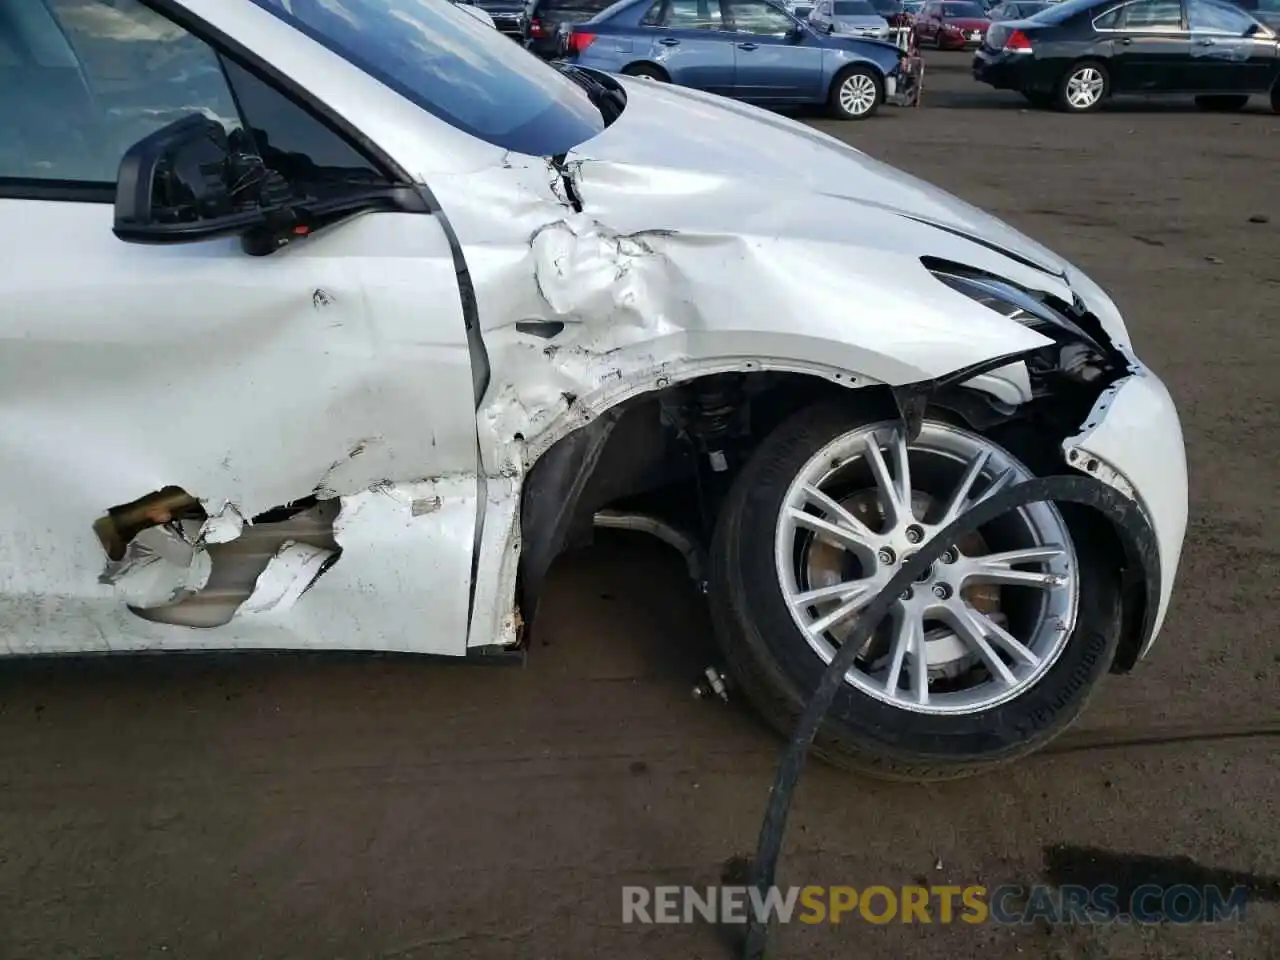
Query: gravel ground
point(315, 808)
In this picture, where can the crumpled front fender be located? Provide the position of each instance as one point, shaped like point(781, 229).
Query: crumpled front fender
point(643, 287)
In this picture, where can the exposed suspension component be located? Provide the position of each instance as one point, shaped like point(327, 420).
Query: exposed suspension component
point(713, 416)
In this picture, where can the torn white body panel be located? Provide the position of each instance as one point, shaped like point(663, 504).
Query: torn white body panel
point(161, 565)
point(289, 575)
point(1133, 441)
point(332, 367)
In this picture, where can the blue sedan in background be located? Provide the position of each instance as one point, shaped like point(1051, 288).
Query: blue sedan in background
point(751, 50)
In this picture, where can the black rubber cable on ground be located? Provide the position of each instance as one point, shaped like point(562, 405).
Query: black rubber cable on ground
point(1079, 489)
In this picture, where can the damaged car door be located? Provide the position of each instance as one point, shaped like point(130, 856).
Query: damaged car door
point(196, 433)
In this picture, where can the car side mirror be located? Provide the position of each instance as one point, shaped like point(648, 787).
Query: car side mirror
point(189, 181)
point(796, 33)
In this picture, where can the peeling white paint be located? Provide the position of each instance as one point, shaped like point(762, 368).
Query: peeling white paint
point(161, 564)
point(223, 526)
point(291, 571)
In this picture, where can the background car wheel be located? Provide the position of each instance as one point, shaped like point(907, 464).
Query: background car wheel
point(990, 655)
point(856, 94)
point(1275, 97)
point(1083, 87)
point(647, 70)
point(1222, 102)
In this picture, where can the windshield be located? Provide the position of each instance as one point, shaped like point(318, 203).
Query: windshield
point(963, 10)
point(853, 8)
point(887, 7)
point(455, 67)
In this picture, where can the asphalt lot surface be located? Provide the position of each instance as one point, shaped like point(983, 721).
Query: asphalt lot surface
point(317, 808)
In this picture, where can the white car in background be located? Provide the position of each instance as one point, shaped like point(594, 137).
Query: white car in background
point(850, 18)
point(329, 327)
point(469, 6)
point(800, 9)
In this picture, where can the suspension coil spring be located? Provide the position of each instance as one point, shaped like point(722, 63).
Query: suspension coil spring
point(712, 406)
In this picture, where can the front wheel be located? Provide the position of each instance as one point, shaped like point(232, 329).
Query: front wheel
point(1222, 103)
point(856, 94)
point(1083, 87)
point(987, 657)
point(648, 71)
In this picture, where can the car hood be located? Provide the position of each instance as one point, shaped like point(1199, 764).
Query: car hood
point(666, 127)
point(861, 22)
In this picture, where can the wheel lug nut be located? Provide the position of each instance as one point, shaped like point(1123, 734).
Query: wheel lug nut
point(941, 591)
point(914, 534)
point(886, 555)
point(908, 593)
point(948, 556)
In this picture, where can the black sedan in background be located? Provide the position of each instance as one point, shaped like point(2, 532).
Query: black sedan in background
point(1075, 54)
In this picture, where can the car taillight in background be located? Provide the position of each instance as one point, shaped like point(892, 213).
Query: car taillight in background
point(1017, 42)
point(578, 42)
point(535, 28)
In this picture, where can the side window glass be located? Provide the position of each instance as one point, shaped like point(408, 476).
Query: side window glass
point(96, 76)
point(85, 79)
point(1153, 15)
point(755, 16)
point(652, 16)
point(1208, 17)
point(1109, 20)
point(693, 15)
point(302, 149)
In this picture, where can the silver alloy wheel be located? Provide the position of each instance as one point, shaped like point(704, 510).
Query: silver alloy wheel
point(945, 648)
point(857, 94)
point(1084, 87)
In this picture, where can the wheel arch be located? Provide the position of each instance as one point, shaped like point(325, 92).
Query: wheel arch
point(627, 450)
point(648, 65)
point(609, 445)
point(628, 453)
point(852, 65)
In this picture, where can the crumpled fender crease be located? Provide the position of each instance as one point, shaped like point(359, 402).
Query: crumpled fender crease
point(651, 290)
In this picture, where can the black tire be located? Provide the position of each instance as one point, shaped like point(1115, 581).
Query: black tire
point(1037, 99)
point(774, 666)
point(1275, 97)
point(1222, 103)
point(858, 74)
point(647, 70)
point(1061, 97)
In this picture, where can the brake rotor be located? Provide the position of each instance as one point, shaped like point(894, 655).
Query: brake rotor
point(827, 565)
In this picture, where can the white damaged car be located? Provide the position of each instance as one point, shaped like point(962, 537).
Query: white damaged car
point(329, 324)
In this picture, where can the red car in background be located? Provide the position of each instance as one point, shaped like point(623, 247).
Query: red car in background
point(893, 12)
point(951, 25)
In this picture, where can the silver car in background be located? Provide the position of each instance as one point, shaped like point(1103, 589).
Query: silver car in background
point(854, 18)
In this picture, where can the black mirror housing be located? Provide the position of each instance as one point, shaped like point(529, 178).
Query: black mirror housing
point(177, 185)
